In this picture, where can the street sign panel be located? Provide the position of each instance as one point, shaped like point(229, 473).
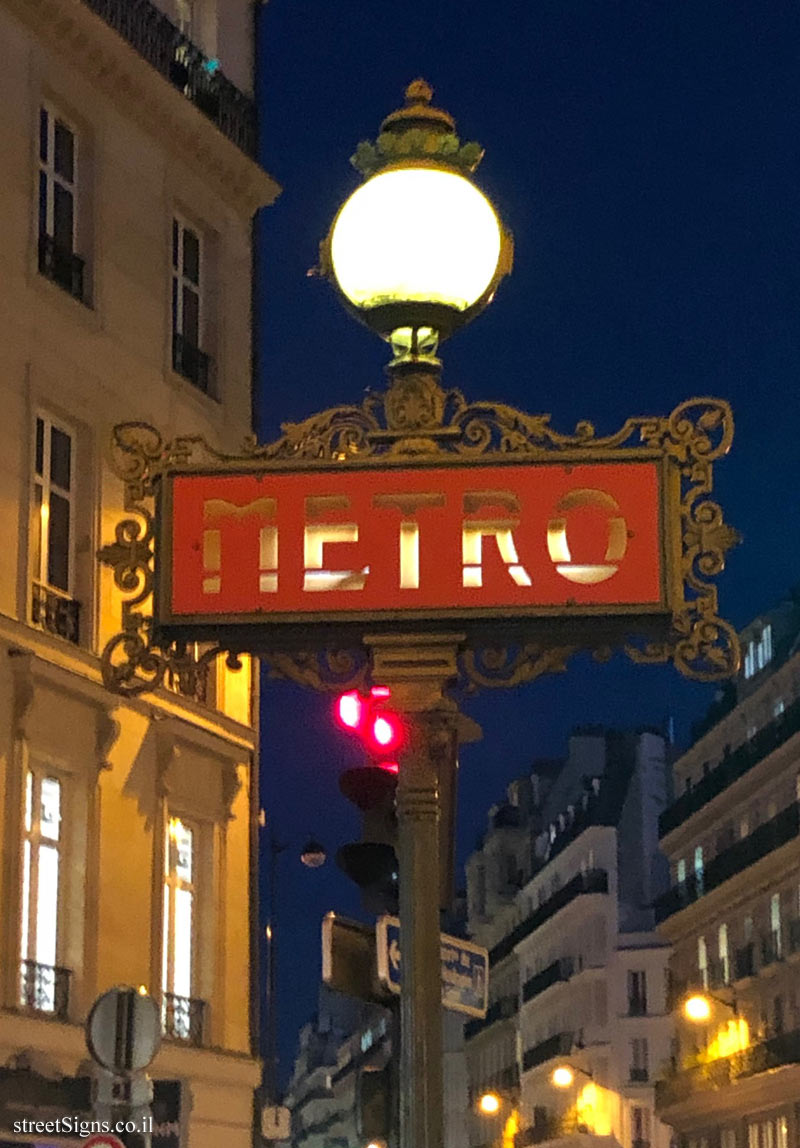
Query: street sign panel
point(450, 545)
point(349, 962)
point(123, 1030)
point(465, 968)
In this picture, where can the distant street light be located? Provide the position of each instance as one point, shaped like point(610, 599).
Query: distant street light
point(698, 1007)
point(563, 1076)
point(312, 855)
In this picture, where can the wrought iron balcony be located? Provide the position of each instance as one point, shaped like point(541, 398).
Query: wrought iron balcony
point(770, 836)
point(182, 64)
point(548, 1126)
point(61, 266)
point(501, 1009)
point(732, 767)
point(558, 971)
point(592, 881)
point(558, 1045)
point(194, 364)
point(716, 1074)
point(55, 612)
point(639, 1075)
point(44, 989)
point(183, 1018)
point(637, 1006)
point(744, 962)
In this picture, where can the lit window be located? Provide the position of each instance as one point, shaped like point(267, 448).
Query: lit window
point(702, 960)
point(179, 925)
point(749, 660)
point(724, 956)
point(698, 869)
point(728, 1138)
point(41, 866)
point(681, 872)
point(52, 505)
point(775, 923)
point(779, 707)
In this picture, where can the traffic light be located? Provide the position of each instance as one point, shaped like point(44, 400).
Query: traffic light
point(372, 861)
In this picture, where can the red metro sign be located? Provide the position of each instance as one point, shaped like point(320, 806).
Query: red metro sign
point(452, 545)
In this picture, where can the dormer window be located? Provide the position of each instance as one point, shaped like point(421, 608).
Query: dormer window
point(758, 652)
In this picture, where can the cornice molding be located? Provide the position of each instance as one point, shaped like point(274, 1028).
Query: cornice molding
point(82, 38)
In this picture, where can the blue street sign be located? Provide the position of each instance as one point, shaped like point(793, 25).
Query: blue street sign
point(465, 968)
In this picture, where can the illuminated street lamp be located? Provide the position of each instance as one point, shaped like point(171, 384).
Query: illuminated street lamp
point(489, 1104)
point(417, 250)
point(415, 253)
point(697, 1007)
point(496, 1103)
point(563, 1076)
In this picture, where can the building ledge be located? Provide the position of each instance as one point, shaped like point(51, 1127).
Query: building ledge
point(83, 39)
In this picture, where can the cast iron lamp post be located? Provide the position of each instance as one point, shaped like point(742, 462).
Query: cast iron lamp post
point(415, 253)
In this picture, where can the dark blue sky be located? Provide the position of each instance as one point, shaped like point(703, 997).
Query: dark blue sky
point(645, 156)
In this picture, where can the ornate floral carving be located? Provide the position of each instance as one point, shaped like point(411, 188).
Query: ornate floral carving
point(416, 416)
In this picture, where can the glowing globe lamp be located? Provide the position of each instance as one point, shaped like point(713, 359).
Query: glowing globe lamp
point(697, 1008)
point(563, 1076)
point(489, 1103)
point(416, 235)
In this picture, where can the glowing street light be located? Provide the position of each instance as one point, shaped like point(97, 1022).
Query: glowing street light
point(563, 1076)
point(417, 250)
point(489, 1104)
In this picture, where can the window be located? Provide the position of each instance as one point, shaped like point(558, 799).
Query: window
point(778, 707)
point(768, 1134)
point(57, 192)
point(728, 1138)
point(185, 15)
point(179, 928)
point(640, 1125)
point(52, 528)
point(724, 955)
point(188, 318)
point(775, 924)
point(682, 871)
point(698, 869)
point(640, 1069)
point(637, 992)
point(702, 960)
point(43, 986)
point(749, 660)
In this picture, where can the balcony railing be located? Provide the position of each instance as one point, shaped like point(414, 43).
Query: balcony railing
point(769, 1054)
point(552, 1127)
point(500, 1009)
point(163, 45)
point(183, 1018)
point(637, 1006)
point(744, 962)
point(558, 971)
point(592, 881)
point(62, 266)
point(55, 612)
point(194, 364)
point(639, 1075)
point(44, 989)
point(762, 841)
point(732, 767)
point(558, 1045)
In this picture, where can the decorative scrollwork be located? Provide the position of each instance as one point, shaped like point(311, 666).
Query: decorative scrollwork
point(501, 667)
point(416, 417)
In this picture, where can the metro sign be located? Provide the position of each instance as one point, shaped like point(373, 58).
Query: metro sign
point(452, 546)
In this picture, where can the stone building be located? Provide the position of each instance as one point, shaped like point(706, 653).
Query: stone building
point(560, 892)
point(126, 823)
point(732, 914)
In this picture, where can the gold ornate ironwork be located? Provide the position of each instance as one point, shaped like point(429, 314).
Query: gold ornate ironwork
point(416, 418)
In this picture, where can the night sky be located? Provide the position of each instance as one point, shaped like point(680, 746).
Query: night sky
point(645, 156)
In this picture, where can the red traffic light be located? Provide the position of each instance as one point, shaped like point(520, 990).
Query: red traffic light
point(381, 730)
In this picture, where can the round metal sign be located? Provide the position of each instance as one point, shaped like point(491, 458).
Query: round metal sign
point(123, 1031)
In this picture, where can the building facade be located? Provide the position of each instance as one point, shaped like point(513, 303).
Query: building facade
point(126, 822)
point(560, 893)
point(732, 914)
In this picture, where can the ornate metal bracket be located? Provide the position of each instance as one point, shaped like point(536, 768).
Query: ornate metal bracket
point(416, 418)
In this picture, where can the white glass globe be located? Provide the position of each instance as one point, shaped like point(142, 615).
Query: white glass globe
point(418, 235)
